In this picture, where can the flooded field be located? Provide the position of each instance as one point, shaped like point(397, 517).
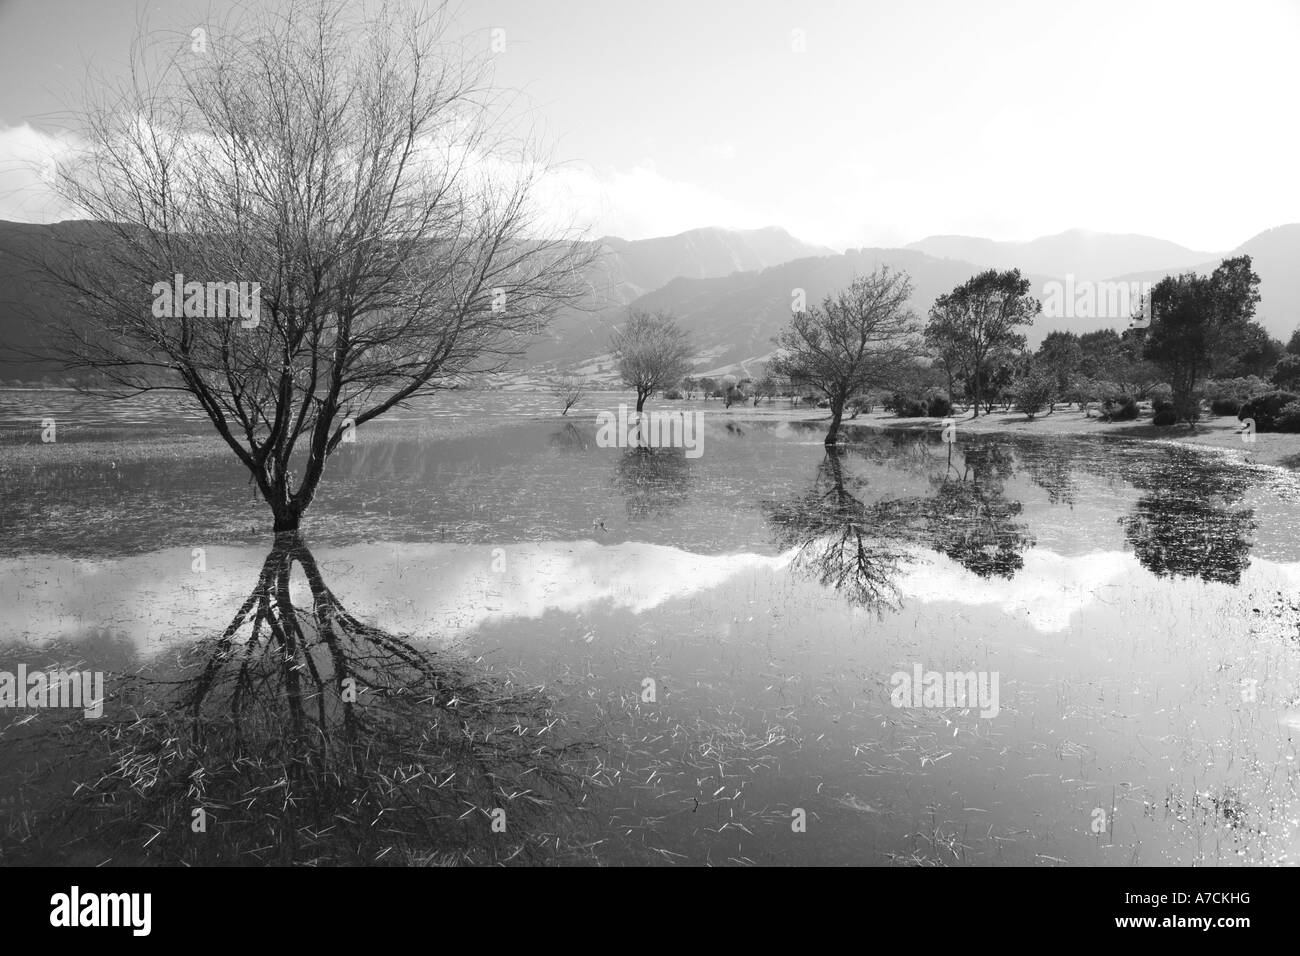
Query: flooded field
point(643, 657)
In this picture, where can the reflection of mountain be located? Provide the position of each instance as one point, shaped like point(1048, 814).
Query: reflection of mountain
point(301, 734)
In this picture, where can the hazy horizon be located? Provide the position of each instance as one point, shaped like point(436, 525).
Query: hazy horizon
point(742, 117)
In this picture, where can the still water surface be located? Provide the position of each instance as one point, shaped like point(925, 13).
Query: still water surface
point(1136, 602)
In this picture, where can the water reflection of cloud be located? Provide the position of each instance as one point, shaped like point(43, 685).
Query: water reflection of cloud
point(435, 591)
point(444, 592)
point(1052, 588)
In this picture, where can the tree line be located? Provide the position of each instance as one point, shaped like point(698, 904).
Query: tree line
point(1199, 343)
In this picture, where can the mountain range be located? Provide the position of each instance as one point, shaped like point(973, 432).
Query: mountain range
point(732, 289)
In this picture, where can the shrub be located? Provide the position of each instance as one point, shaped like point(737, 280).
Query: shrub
point(907, 406)
point(672, 394)
point(1239, 388)
point(1033, 393)
point(1162, 396)
point(1225, 406)
point(1121, 409)
point(937, 403)
point(1162, 405)
point(1288, 419)
point(1266, 408)
point(1165, 417)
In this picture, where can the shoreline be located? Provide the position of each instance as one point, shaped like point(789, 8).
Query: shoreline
point(1220, 434)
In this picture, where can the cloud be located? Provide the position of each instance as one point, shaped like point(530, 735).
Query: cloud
point(27, 164)
point(640, 202)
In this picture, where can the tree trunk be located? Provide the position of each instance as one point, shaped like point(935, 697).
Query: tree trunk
point(640, 402)
point(287, 517)
point(837, 413)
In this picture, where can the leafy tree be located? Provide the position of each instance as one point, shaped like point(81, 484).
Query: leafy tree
point(861, 336)
point(978, 321)
point(652, 353)
point(1286, 374)
point(1197, 320)
point(1254, 353)
point(1060, 355)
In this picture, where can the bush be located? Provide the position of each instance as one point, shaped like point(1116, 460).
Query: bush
point(1033, 393)
point(672, 394)
point(1241, 389)
point(1162, 395)
point(1162, 405)
point(1225, 406)
point(1288, 419)
point(1121, 409)
point(1165, 417)
point(911, 408)
point(906, 406)
point(937, 403)
point(1266, 408)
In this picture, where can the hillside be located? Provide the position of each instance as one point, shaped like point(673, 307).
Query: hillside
point(624, 271)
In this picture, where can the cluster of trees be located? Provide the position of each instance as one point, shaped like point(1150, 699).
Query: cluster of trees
point(864, 346)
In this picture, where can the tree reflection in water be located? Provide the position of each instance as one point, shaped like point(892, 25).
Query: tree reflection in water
point(969, 517)
point(1183, 524)
point(306, 735)
point(841, 541)
point(858, 546)
point(652, 481)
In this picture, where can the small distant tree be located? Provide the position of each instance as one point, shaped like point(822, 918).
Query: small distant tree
point(1286, 374)
point(1035, 391)
point(652, 353)
point(708, 386)
point(1252, 352)
point(861, 336)
point(568, 390)
point(731, 392)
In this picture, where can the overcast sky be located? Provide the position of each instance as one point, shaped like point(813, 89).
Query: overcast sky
point(898, 119)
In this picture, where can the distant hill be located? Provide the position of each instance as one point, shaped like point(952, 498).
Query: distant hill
point(624, 271)
point(1097, 255)
point(1275, 256)
point(27, 303)
point(731, 289)
point(733, 319)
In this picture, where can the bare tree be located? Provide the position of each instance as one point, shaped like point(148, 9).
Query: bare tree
point(355, 174)
point(861, 336)
point(568, 390)
point(652, 353)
